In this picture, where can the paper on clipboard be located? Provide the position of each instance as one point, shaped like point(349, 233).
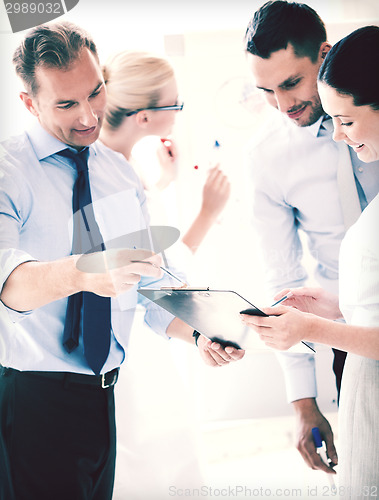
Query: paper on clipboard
point(213, 313)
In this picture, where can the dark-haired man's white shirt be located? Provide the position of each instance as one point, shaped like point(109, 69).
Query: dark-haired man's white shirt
point(294, 191)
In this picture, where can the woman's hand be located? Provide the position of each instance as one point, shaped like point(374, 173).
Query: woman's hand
point(282, 328)
point(167, 154)
point(216, 192)
point(312, 300)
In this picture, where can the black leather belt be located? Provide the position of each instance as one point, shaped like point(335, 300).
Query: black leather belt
point(106, 380)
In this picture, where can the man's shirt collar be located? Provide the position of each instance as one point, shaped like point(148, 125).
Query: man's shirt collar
point(313, 129)
point(44, 144)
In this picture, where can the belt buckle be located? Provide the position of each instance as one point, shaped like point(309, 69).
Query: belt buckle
point(113, 380)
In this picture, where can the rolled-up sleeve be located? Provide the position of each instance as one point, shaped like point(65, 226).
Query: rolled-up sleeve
point(157, 318)
point(11, 222)
point(10, 259)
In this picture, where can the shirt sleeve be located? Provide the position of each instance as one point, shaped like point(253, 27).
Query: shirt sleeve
point(276, 226)
point(359, 270)
point(275, 223)
point(157, 318)
point(299, 375)
point(11, 220)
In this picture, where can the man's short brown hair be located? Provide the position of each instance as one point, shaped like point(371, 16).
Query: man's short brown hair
point(55, 45)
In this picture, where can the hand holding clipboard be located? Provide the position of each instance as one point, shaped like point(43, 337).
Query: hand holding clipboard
point(213, 313)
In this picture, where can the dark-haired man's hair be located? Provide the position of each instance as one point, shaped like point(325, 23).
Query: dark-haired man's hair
point(55, 45)
point(279, 23)
point(351, 67)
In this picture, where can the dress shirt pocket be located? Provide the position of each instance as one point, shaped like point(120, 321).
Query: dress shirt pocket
point(118, 216)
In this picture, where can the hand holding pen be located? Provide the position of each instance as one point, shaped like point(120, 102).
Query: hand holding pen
point(112, 272)
point(282, 328)
point(282, 299)
point(169, 147)
point(166, 271)
point(167, 155)
point(314, 300)
point(320, 447)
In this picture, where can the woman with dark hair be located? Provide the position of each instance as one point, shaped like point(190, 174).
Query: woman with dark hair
point(350, 95)
point(361, 82)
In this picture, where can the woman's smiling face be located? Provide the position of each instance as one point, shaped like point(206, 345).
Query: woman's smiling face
point(358, 126)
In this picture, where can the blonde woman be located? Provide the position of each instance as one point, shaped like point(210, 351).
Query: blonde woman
point(143, 101)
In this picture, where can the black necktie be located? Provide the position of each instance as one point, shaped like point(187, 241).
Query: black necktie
point(86, 311)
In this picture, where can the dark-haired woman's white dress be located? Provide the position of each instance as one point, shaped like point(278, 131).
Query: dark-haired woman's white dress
point(359, 404)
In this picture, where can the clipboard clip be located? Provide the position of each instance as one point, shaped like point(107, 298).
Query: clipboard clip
point(186, 287)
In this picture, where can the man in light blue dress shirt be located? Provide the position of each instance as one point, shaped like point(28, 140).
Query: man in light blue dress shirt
point(293, 164)
point(57, 429)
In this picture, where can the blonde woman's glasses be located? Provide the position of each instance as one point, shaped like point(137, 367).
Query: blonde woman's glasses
point(174, 107)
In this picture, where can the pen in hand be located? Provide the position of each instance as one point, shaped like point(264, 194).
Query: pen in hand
point(321, 451)
point(287, 296)
point(167, 144)
point(160, 267)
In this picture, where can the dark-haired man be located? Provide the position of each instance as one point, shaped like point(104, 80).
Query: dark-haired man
point(64, 327)
point(296, 169)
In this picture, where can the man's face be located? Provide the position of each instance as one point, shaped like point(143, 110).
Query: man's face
point(70, 104)
point(289, 83)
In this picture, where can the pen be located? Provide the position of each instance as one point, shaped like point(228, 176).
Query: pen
point(289, 294)
point(321, 451)
point(216, 154)
point(160, 267)
point(167, 144)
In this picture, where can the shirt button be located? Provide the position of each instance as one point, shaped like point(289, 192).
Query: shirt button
point(360, 169)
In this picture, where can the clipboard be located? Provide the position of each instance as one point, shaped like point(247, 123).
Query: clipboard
point(215, 314)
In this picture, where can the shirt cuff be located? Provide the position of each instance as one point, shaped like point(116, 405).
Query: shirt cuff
point(299, 375)
point(11, 258)
point(15, 316)
point(158, 319)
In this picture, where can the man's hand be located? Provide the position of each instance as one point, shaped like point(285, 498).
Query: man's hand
point(213, 354)
point(308, 416)
point(122, 278)
point(34, 284)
